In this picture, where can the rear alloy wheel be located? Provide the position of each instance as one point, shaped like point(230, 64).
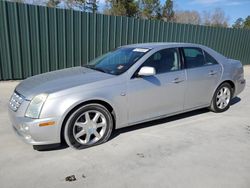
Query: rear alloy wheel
point(88, 126)
point(221, 99)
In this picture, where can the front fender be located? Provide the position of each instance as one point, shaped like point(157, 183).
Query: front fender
point(61, 106)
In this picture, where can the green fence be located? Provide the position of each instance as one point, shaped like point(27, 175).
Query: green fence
point(36, 39)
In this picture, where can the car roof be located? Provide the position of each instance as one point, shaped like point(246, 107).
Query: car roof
point(154, 45)
point(161, 45)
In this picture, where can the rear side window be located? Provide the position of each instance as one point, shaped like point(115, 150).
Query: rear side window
point(209, 59)
point(193, 57)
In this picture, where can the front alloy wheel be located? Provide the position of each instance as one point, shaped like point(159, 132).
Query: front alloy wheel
point(88, 126)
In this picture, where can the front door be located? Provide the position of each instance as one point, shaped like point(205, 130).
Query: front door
point(153, 96)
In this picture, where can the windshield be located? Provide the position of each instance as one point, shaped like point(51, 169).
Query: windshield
point(118, 61)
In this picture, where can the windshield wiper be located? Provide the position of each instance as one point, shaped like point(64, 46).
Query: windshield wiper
point(99, 69)
point(95, 68)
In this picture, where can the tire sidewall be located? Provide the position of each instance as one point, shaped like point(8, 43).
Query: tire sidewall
point(68, 131)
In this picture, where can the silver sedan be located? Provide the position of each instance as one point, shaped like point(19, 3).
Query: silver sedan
point(130, 85)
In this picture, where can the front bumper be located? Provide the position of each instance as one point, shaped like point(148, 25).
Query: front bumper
point(30, 132)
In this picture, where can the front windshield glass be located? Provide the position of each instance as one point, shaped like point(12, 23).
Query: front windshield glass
point(118, 61)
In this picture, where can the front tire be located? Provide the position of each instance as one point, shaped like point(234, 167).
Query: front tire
point(89, 125)
point(222, 97)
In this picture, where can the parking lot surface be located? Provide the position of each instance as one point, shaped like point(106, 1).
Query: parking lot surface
point(196, 149)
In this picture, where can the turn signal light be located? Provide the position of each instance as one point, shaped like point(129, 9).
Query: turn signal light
point(49, 123)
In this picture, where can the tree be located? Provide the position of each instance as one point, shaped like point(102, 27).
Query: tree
point(83, 5)
point(122, 7)
point(73, 4)
point(247, 23)
point(18, 1)
point(168, 11)
point(150, 9)
point(53, 3)
point(188, 17)
point(92, 6)
point(217, 18)
point(132, 8)
point(239, 23)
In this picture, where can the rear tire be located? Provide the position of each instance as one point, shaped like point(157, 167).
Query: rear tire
point(221, 99)
point(88, 126)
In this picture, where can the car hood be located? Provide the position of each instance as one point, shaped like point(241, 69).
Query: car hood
point(59, 80)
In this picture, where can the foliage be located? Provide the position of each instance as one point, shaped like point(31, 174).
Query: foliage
point(216, 18)
point(188, 17)
point(92, 6)
point(168, 11)
point(122, 7)
point(83, 5)
point(150, 9)
point(53, 3)
point(247, 23)
point(239, 23)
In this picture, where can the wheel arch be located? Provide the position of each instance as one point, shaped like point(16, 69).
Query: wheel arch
point(212, 105)
point(104, 103)
point(230, 82)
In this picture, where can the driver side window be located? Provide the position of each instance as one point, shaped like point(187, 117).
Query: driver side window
point(163, 61)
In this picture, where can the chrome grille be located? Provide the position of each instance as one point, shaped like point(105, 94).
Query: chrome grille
point(15, 101)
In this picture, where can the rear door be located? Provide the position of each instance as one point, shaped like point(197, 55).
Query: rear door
point(203, 74)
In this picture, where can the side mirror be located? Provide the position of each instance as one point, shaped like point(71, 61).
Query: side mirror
point(146, 71)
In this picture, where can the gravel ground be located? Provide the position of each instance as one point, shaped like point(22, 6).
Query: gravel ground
point(196, 149)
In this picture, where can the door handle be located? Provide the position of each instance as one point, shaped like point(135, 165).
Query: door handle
point(177, 80)
point(211, 73)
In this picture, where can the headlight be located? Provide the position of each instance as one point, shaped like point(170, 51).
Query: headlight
point(35, 106)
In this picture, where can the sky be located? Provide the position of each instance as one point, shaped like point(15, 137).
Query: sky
point(232, 8)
